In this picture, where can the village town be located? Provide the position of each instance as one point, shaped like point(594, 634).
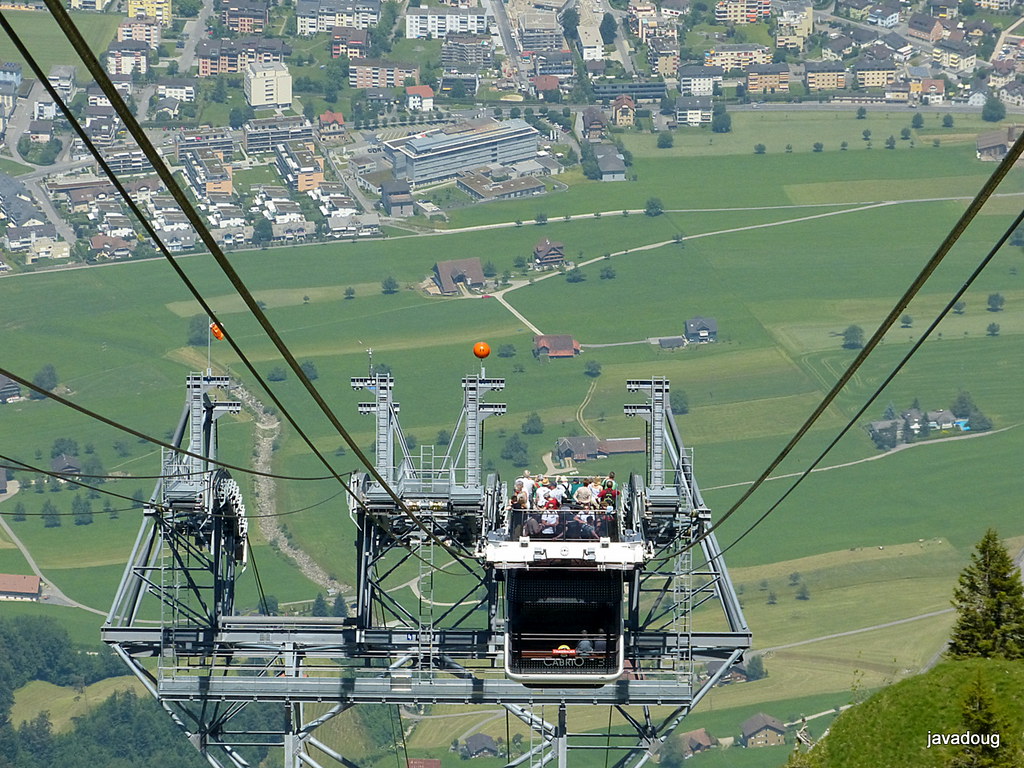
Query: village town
point(326, 120)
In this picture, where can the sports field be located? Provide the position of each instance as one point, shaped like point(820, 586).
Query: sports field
point(785, 251)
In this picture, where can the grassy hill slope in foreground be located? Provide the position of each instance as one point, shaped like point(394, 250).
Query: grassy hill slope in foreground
point(892, 728)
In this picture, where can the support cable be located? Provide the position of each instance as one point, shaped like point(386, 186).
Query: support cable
point(141, 435)
point(74, 36)
point(888, 379)
point(973, 209)
point(70, 478)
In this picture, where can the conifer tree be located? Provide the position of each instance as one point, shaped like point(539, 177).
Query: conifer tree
point(982, 715)
point(989, 601)
point(319, 605)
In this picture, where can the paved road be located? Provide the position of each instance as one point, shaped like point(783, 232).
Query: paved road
point(18, 124)
point(196, 31)
point(52, 594)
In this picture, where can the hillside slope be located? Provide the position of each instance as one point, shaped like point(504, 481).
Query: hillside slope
point(892, 727)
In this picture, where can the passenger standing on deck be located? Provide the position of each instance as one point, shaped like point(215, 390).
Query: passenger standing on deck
point(584, 496)
point(528, 484)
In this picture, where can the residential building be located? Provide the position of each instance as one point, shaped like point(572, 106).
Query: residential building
point(943, 9)
point(663, 56)
point(610, 162)
point(143, 29)
point(693, 111)
point(871, 73)
point(921, 26)
point(314, 16)
point(62, 78)
point(1003, 71)
point(350, 42)
point(154, 9)
point(675, 9)
point(443, 153)
point(624, 110)
point(837, 48)
point(1012, 94)
point(331, 125)
point(205, 138)
point(763, 730)
point(263, 134)
point(299, 165)
point(180, 88)
point(824, 76)
point(249, 17)
point(548, 254)
point(127, 57)
point(96, 6)
point(956, 56)
point(540, 31)
point(594, 123)
point(419, 98)
point(126, 160)
point(590, 42)
point(206, 171)
point(267, 85)
point(396, 199)
point(449, 274)
point(701, 329)
point(742, 11)
point(44, 109)
point(40, 131)
point(887, 16)
point(467, 52)
point(737, 56)
point(996, 5)
point(225, 57)
point(435, 22)
point(695, 80)
point(795, 23)
point(995, 144)
point(9, 390)
point(768, 78)
point(559, 64)
point(375, 73)
point(640, 90)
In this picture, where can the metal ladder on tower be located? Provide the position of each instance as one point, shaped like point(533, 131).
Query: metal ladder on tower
point(426, 640)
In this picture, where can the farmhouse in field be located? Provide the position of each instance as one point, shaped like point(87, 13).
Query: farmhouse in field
point(548, 253)
point(65, 465)
point(9, 389)
point(14, 587)
point(448, 274)
point(588, 447)
point(701, 329)
point(763, 730)
point(555, 345)
point(697, 741)
point(481, 745)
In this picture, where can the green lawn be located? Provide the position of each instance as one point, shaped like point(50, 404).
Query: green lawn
point(12, 168)
point(49, 45)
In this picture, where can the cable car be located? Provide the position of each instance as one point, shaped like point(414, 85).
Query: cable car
point(563, 601)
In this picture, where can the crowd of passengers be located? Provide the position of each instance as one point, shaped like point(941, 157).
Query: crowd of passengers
point(582, 509)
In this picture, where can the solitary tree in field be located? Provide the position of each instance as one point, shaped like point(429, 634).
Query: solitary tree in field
point(959, 307)
point(995, 302)
point(993, 111)
point(917, 121)
point(947, 121)
point(890, 143)
point(989, 603)
point(906, 321)
point(389, 285)
point(862, 113)
point(853, 337)
point(759, 149)
point(866, 133)
point(654, 207)
point(665, 140)
point(818, 146)
point(592, 369)
point(843, 146)
point(993, 329)
point(906, 132)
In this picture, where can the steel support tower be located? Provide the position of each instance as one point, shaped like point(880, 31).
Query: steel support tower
point(430, 618)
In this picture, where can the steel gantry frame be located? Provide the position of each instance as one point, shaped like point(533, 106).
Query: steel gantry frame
point(410, 642)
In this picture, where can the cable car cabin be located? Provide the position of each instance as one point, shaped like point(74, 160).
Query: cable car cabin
point(563, 626)
point(564, 572)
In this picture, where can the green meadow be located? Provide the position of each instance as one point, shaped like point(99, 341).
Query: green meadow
point(43, 37)
point(784, 250)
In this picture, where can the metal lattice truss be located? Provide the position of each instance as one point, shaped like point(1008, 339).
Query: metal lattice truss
point(429, 623)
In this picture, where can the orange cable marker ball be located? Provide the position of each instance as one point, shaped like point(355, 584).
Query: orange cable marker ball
point(481, 349)
point(217, 332)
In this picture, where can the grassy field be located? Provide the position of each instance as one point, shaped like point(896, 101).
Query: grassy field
point(42, 36)
point(783, 283)
point(65, 704)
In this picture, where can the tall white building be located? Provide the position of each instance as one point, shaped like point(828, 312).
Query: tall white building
point(436, 22)
point(268, 85)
